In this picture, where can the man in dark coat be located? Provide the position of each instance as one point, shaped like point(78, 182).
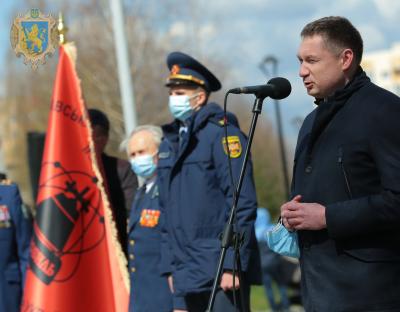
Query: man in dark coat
point(196, 191)
point(346, 179)
point(121, 182)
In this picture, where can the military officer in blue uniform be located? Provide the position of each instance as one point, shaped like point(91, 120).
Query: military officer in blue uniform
point(149, 290)
point(15, 235)
point(196, 191)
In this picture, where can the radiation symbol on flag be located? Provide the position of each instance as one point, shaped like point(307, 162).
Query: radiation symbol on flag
point(63, 228)
point(235, 147)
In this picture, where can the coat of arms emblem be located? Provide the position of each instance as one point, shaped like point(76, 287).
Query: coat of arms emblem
point(34, 36)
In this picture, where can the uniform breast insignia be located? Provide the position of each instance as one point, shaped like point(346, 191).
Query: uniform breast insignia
point(34, 36)
point(149, 217)
point(163, 155)
point(222, 122)
point(155, 192)
point(235, 147)
point(5, 218)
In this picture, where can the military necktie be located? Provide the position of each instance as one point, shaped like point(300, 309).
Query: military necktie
point(141, 192)
point(182, 134)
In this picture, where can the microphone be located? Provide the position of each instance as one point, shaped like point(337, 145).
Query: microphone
point(276, 88)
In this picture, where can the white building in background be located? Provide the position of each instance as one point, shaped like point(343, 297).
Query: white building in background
point(383, 67)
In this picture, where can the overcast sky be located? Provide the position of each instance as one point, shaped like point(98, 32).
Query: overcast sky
point(248, 30)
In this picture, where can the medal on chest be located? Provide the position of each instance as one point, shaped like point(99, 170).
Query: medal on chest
point(5, 218)
point(149, 217)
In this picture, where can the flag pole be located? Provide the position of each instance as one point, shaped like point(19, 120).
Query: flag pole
point(62, 30)
point(125, 80)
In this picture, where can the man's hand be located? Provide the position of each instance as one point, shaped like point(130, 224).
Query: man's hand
point(227, 281)
point(284, 208)
point(303, 216)
point(171, 288)
point(170, 283)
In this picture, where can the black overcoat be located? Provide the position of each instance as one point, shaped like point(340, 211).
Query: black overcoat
point(348, 159)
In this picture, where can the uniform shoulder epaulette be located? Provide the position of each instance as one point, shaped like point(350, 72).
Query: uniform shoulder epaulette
point(6, 182)
point(218, 121)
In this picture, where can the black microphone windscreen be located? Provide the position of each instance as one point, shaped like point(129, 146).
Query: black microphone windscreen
point(281, 88)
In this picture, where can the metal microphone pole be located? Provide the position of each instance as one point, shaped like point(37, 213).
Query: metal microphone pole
point(229, 236)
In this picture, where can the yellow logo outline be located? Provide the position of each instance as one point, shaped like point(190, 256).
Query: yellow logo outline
point(34, 36)
point(235, 147)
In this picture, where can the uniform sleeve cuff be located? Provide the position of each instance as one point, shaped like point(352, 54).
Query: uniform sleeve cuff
point(179, 302)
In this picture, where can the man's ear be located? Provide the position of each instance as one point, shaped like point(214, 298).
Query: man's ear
point(347, 59)
point(202, 97)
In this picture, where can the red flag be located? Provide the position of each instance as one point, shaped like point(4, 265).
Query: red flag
point(76, 262)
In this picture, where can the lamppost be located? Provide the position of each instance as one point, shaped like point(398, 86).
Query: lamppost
point(270, 59)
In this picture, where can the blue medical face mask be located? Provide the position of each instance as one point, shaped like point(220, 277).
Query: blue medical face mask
point(282, 241)
point(179, 106)
point(143, 165)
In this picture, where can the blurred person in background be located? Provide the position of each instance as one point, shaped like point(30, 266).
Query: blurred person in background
point(120, 181)
point(271, 264)
point(15, 236)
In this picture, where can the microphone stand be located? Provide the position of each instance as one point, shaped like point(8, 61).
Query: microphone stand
point(229, 236)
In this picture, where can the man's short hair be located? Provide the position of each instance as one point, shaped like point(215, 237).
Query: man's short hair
point(98, 118)
point(154, 130)
point(338, 34)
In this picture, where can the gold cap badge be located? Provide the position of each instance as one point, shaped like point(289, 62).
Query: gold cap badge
point(175, 70)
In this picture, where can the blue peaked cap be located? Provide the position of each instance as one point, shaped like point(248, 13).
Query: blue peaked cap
point(186, 71)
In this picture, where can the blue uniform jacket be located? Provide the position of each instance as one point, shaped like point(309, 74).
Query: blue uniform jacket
point(15, 235)
point(149, 290)
point(196, 196)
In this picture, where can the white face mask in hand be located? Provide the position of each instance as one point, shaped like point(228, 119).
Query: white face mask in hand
point(179, 106)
